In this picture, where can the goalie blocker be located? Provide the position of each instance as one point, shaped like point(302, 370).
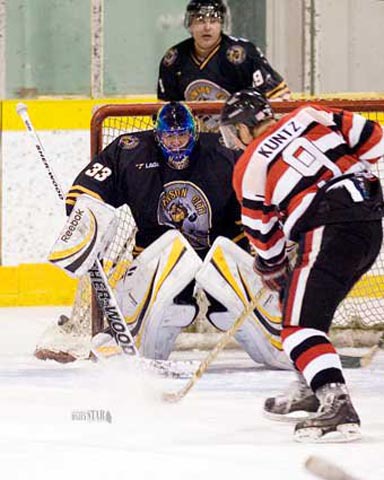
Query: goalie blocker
point(90, 227)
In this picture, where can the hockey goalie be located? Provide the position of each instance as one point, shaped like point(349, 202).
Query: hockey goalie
point(178, 185)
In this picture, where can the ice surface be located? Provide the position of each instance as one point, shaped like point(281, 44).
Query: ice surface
point(216, 432)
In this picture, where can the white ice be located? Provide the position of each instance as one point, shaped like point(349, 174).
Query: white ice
point(216, 432)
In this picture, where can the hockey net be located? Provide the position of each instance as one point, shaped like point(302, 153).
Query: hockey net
point(360, 317)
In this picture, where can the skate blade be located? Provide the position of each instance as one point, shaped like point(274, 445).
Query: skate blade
point(348, 432)
point(292, 417)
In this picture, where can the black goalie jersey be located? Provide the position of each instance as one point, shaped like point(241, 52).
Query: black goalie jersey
point(233, 65)
point(199, 201)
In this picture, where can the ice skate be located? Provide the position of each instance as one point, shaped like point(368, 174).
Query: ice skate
point(297, 403)
point(337, 420)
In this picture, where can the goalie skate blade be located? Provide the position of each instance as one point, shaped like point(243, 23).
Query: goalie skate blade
point(348, 432)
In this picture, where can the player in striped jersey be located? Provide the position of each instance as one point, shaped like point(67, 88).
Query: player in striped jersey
point(306, 178)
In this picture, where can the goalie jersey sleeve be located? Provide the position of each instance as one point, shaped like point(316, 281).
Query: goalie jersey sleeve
point(285, 175)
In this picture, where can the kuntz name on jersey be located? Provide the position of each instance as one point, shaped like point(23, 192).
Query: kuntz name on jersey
point(280, 139)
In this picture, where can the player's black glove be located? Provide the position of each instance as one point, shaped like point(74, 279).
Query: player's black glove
point(273, 276)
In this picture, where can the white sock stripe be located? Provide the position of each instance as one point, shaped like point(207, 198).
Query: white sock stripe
point(322, 362)
point(299, 337)
point(303, 276)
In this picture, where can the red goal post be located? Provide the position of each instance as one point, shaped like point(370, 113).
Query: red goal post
point(364, 307)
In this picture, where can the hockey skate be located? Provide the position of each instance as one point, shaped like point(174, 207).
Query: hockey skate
point(337, 420)
point(297, 403)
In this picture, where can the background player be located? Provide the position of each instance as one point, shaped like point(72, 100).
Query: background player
point(211, 65)
point(307, 178)
point(172, 178)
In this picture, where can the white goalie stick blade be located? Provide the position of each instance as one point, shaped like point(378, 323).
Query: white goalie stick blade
point(322, 468)
point(104, 348)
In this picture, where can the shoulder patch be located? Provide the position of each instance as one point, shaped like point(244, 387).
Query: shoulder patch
point(236, 54)
point(128, 142)
point(170, 57)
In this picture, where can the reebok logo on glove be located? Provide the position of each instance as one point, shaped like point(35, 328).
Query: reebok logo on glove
point(72, 226)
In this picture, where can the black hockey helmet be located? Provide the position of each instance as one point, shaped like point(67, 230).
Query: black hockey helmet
point(205, 8)
point(176, 133)
point(247, 106)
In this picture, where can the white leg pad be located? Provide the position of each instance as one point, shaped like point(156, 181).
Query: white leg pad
point(253, 340)
point(147, 291)
point(227, 275)
point(161, 333)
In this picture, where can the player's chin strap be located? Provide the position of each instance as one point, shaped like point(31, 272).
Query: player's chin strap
point(104, 293)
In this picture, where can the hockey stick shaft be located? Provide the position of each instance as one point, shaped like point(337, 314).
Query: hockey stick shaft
point(174, 397)
point(21, 109)
point(104, 294)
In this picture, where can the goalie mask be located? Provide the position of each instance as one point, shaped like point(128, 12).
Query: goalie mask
point(176, 133)
point(201, 9)
point(247, 107)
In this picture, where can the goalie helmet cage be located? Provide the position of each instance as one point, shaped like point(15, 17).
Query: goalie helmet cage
point(362, 310)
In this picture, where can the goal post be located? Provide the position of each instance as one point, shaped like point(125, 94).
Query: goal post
point(364, 307)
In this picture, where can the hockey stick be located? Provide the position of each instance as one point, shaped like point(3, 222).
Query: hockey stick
point(173, 397)
point(322, 468)
point(104, 294)
point(360, 361)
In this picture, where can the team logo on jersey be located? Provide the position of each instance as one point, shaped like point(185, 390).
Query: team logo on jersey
point(205, 90)
point(184, 206)
point(170, 57)
point(128, 142)
point(236, 54)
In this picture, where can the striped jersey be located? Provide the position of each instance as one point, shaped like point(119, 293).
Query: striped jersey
point(279, 175)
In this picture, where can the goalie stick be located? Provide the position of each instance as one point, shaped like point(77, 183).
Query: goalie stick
point(103, 290)
point(104, 294)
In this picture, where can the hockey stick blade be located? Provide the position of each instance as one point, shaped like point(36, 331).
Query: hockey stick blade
point(361, 361)
point(174, 397)
point(322, 468)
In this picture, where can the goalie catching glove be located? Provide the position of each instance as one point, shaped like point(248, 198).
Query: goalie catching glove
point(90, 227)
point(273, 276)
